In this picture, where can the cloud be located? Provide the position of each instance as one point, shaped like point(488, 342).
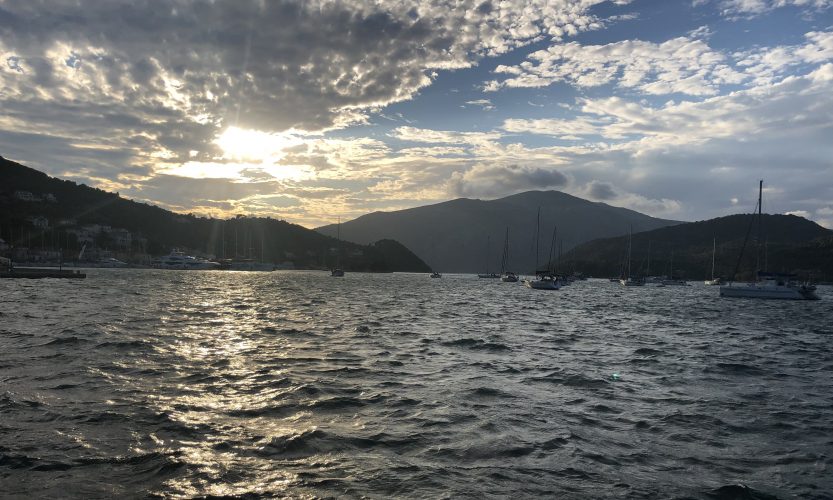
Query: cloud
point(492, 180)
point(563, 128)
point(486, 104)
point(325, 67)
point(601, 191)
point(221, 106)
point(770, 64)
point(152, 86)
point(736, 8)
point(415, 134)
point(682, 65)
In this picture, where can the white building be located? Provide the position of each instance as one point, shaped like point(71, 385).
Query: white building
point(24, 196)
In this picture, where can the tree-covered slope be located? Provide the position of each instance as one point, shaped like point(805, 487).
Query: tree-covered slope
point(787, 244)
point(156, 231)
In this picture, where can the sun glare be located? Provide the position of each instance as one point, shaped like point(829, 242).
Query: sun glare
point(254, 145)
point(245, 153)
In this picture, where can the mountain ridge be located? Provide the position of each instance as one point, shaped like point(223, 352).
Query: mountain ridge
point(59, 213)
point(466, 235)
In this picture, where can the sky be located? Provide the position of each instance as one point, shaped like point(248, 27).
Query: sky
point(313, 111)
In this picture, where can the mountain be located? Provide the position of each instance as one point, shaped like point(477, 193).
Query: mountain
point(788, 244)
point(41, 212)
point(466, 235)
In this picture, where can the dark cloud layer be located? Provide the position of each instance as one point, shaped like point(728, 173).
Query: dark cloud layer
point(496, 180)
point(159, 80)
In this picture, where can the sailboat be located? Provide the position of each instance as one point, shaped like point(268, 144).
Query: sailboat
point(714, 281)
point(545, 280)
point(671, 281)
point(629, 280)
point(767, 285)
point(338, 272)
point(505, 275)
point(487, 274)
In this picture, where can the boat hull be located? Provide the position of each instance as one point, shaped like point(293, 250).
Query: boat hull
point(542, 284)
point(630, 282)
point(752, 291)
point(37, 273)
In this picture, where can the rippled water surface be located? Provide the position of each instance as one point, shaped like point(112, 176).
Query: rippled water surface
point(138, 383)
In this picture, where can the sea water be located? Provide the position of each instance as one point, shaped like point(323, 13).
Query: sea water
point(136, 383)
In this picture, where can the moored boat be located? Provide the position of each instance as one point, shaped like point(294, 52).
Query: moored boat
point(179, 260)
point(767, 285)
point(771, 286)
point(543, 282)
point(506, 276)
point(632, 282)
point(714, 281)
point(629, 279)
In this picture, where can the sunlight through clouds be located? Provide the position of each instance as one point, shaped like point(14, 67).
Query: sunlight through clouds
point(241, 144)
point(353, 106)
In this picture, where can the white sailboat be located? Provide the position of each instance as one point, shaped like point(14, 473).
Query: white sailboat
point(544, 280)
point(629, 280)
point(506, 276)
point(714, 281)
point(767, 285)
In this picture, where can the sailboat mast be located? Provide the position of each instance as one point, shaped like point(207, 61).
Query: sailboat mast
point(505, 257)
point(758, 242)
point(488, 242)
point(507, 248)
point(537, 236)
point(630, 238)
point(552, 244)
point(714, 250)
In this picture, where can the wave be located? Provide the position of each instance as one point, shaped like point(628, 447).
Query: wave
point(477, 344)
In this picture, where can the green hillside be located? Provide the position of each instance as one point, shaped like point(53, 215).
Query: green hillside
point(156, 231)
point(788, 244)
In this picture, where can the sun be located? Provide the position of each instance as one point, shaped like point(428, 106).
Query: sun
point(254, 145)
